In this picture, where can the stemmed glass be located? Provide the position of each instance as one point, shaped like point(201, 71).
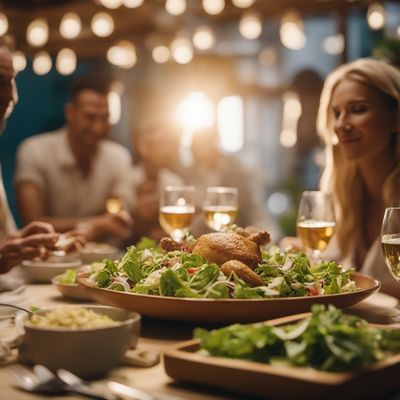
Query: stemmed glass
point(220, 206)
point(391, 240)
point(315, 222)
point(114, 205)
point(177, 208)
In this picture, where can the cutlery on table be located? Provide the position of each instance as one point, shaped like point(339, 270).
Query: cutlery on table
point(119, 389)
point(116, 388)
point(130, 392)
point(42, 380)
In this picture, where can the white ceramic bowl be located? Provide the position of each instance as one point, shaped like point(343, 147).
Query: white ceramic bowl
point(85, 352)
point(44, 271)
point(97, 252)
point(12, 291)
point(70, 290)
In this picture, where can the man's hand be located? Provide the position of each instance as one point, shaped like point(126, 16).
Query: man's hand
point(34, 228)
point(17, 248)
point(118, 226)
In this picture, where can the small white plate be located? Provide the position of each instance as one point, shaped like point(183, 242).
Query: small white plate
point(45, 271)
point(382, 300)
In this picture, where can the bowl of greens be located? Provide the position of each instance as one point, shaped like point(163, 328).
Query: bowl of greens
point(325, 354)
point(68, 286)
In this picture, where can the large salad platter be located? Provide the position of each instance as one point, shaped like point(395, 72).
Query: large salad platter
point(225, 310)
point(185, 286)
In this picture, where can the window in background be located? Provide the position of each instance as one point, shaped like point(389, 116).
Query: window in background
point(230, 123)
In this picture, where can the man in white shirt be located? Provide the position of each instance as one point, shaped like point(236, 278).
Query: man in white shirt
point(65, 177)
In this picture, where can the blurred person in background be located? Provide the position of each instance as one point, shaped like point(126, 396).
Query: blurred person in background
point(66, 177)
point(36, 239)
point(211, 167)
point(155, 143)
point(309, 150)
point(359, 121)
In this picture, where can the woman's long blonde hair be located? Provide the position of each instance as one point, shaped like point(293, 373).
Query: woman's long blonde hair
point(342, 177)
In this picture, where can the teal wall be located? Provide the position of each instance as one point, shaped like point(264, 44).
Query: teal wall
point(40, 108)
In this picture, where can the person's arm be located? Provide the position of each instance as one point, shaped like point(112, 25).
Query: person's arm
point(35, 240)
point(30, 201)
point(31, 207)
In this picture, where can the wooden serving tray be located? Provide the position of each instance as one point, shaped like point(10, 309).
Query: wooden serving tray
point(279, 382)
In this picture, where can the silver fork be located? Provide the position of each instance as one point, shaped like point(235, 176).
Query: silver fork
point(30, 381)
point(71, 379)
point(42, 380)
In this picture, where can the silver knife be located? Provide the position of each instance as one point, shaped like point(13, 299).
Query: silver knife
point(136, 394)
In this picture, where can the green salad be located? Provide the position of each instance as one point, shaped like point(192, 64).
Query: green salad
point(147, 269)
point(327, 340)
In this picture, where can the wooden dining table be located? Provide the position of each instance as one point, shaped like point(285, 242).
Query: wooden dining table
point(158, 336)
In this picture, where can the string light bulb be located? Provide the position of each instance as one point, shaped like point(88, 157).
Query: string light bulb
point(102, 24)
point(112, 4)
point(243, 3)
point(175, 7)
point(66, 61)
point(182, 50)
point(132, 3)
point(161, 54)
point(334, 44)
point(70, 26)
point(291, 31)
point(376, 16)
point(37, 33)
point(19, 61)
point(250, 25)
point(122, 54)
point(203, 37)
point(42, 63)
point(213, 7)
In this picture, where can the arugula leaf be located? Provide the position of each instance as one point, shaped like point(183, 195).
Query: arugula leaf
point(148, 243)
point(131, 264)
point(68, 277)
point(117, 286)
point(206, 275)
point(218, 290)
point(104, 276)
point(192, 260)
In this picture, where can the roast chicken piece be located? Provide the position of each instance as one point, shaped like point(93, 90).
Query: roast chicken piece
point(220, 247)
point(169, 244)
point(242, 271)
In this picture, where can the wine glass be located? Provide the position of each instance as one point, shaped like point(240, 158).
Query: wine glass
point(114, 205)
point(220, 206)
point(315, 222)
point(391, 240)
point(177, 210)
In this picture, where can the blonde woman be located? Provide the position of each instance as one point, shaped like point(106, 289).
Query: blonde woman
point(359, 121)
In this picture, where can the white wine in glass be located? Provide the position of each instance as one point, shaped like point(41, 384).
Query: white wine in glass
point(114, 205)
point(315, 222)
point(220, 207)
point(391, 240)
point(176, 210)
